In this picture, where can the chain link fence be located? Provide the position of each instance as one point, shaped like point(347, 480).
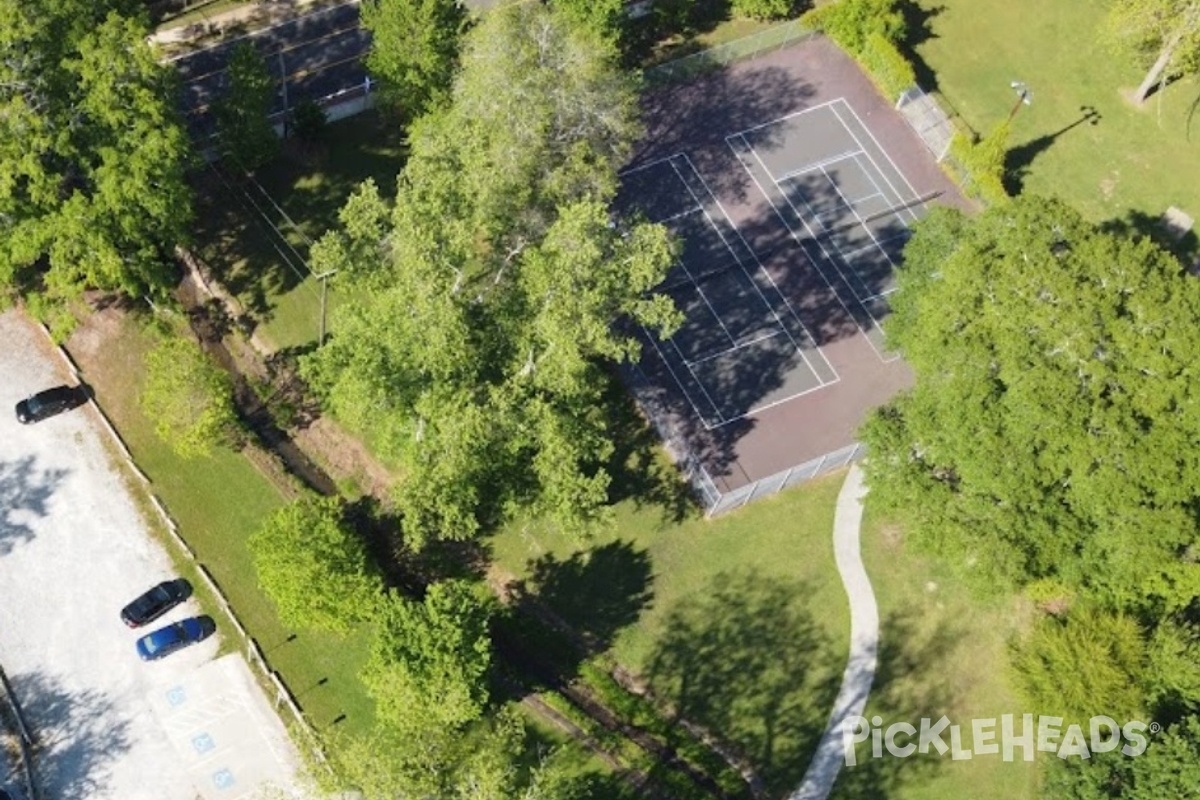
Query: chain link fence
point(690, 66)
point(707, 491)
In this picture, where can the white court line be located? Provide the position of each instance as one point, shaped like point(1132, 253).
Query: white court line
point(884, 295)
point(837, 295)
point(654, 163)
point(750, 277)
point(773, 403)
point(871, 158)
point(861, 221)
point(873, 246)
point(867, 197)
point(802, 111)
point(736, 347)
point(837, 248)
point(682, 390)
point(816, 165)
point(687, 213)
point(683, 263)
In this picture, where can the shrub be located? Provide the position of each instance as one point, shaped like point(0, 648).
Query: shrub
point(763, 9)
point(886, 65)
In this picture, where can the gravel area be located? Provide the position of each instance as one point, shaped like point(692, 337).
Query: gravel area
point(73, 550)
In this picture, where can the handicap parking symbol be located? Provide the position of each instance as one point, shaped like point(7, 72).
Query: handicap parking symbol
point(223, 779)
point(202, 743)
point(176, 696)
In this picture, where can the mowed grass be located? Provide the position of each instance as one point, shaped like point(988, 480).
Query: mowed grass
point(255, 233)
point(217, 503)
point(943, 651)
point(1120, 159)
point(740, 622)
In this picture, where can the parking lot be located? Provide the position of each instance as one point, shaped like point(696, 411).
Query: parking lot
point(73, 551)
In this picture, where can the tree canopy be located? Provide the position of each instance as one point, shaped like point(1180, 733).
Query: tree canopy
point(1050, 432)
point(414, 49)
point(477, 362)
point(314, 566)
point(429, 664)
point(242, 113)
point(1165, 34)
point(187, 397)
point(92, 152)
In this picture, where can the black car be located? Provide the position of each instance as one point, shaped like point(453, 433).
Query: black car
point(49, 402)
point(153, 603)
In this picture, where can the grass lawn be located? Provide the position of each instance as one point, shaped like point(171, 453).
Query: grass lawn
point(943, 651)
point(740, 622)
point(1129, 160)
point(217, 503)
point(255, 234)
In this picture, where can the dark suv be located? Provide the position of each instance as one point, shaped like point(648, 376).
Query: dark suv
point(153, 603)
point(50, 402)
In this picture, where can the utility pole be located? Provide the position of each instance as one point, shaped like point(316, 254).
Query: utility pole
point(283, 83)
point(324, 279)
point(1024, 97)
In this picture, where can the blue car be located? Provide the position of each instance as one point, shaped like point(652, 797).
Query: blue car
point(176, 636)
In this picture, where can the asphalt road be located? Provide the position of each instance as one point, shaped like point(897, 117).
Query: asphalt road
point(317, 54)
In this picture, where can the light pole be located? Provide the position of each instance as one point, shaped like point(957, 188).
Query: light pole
point(324, 279)
point(1024, 97)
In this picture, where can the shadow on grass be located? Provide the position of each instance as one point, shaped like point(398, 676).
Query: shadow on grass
point(1136, 224)
point(1018, 160)
point(917, 31)
point(746, 659)
point(911, 683)
point(640, 468)
point(254, 231)
point(596, 592)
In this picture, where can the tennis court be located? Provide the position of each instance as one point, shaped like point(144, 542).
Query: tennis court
point(841, 197)
point(737, 327)
point(792, 186)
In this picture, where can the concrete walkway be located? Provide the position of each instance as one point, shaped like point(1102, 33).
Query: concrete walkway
point(864, 641)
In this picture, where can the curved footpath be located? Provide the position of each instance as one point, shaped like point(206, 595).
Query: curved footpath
point(864, 640)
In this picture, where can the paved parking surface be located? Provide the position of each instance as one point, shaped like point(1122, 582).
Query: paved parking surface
point(73, 551)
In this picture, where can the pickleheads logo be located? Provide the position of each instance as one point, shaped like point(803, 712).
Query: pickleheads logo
point(989, 737)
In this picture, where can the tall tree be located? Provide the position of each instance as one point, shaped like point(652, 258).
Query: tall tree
point(428, 669)
point(478, 361)
point(1170, 767)
point(188, 398)
point(605, 18)
point(314, 566)
point(414, 49)
point(92, 152)
point(1049, 432)
point(1165, 33)
point(243, 111)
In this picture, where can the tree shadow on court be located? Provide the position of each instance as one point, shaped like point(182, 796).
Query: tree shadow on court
point(640, 469)
point(78, 736)
point(746, 659)
point(24, 493)
point(1019, 159)
point(696, 117)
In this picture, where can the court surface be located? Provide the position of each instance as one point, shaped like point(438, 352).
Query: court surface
point(737, 326)
point(792, 186)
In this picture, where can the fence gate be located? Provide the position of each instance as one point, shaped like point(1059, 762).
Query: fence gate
point(928, 119)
